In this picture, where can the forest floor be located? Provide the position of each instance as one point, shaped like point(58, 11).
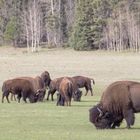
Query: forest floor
point(46, 121)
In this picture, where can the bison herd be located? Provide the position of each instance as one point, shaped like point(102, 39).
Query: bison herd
point(119, 101)
point(34, 89)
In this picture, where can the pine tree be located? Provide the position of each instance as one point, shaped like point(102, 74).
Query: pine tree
point(88, 25)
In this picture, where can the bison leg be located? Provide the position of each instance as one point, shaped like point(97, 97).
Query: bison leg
point(52, 93)
point(129, 117)
point(49, 92)
point(13, 96)
point(88, 87)
point(5, 94)
point(24, 99)
point(7, 98)
point(91, 91)
point(52, 96)
point(24, 96)
point(66, 102)
point(58, 99)
point(116, 123)
point(69, 101)
point(3, 98)
point(86, 90)
point(19, 97)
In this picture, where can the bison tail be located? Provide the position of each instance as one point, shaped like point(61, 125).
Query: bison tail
point(3, 87)
point(92, 81)
point(70, 90)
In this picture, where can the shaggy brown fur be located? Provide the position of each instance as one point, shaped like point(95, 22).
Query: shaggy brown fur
point(45, 76)
point(77, 95)
point(55, 83)
point(121, 99)
point(66, 90)
point(39, 84)
point(54, 86)
point(21, 87)
point(82, 81)
point(37, 87)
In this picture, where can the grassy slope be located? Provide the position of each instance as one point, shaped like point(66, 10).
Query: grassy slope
point(43, 121)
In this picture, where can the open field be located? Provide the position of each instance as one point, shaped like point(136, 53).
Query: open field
point(46, 121)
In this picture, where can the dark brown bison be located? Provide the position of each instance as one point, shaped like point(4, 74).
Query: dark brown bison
point(54, 86)
point(27, 87)
point(45, 76)
point(39, 84)
point(77, 95)
point(84, 82)
point(67, 88)
point(20, 87)
point(119, 101)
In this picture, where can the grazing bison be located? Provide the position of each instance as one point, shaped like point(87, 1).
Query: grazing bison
point(67, 89)
point(77, 95)
point(20, 87)
point(119, 101)
point(27, 87)
point(84, 82)
point(38, 85)
point(53, 87)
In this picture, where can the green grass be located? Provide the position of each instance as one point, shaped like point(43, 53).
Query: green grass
point(46, 121)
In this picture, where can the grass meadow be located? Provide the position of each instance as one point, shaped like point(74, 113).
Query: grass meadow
point(46, 121)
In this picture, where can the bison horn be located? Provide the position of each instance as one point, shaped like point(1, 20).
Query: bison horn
point(37, 92)
point(100, 111)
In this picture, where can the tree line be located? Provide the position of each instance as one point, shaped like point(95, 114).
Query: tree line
point(80, 24)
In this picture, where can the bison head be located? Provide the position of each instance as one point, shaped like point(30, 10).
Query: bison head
point(46, 78)
point(77, 95)
point(101, 119)
point(40, 94)
point(33, 98)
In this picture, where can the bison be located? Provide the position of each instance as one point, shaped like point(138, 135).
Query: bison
point(20, 87)
point(84, 82)
point(66, 90)
point(119, 101)
point(38, 86)
point(54, 86)
point(77, 95)
point(26, 87)
point(45, 76)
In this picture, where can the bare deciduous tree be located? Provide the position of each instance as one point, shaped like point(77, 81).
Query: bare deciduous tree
point(32, 25)
point(123, 30)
